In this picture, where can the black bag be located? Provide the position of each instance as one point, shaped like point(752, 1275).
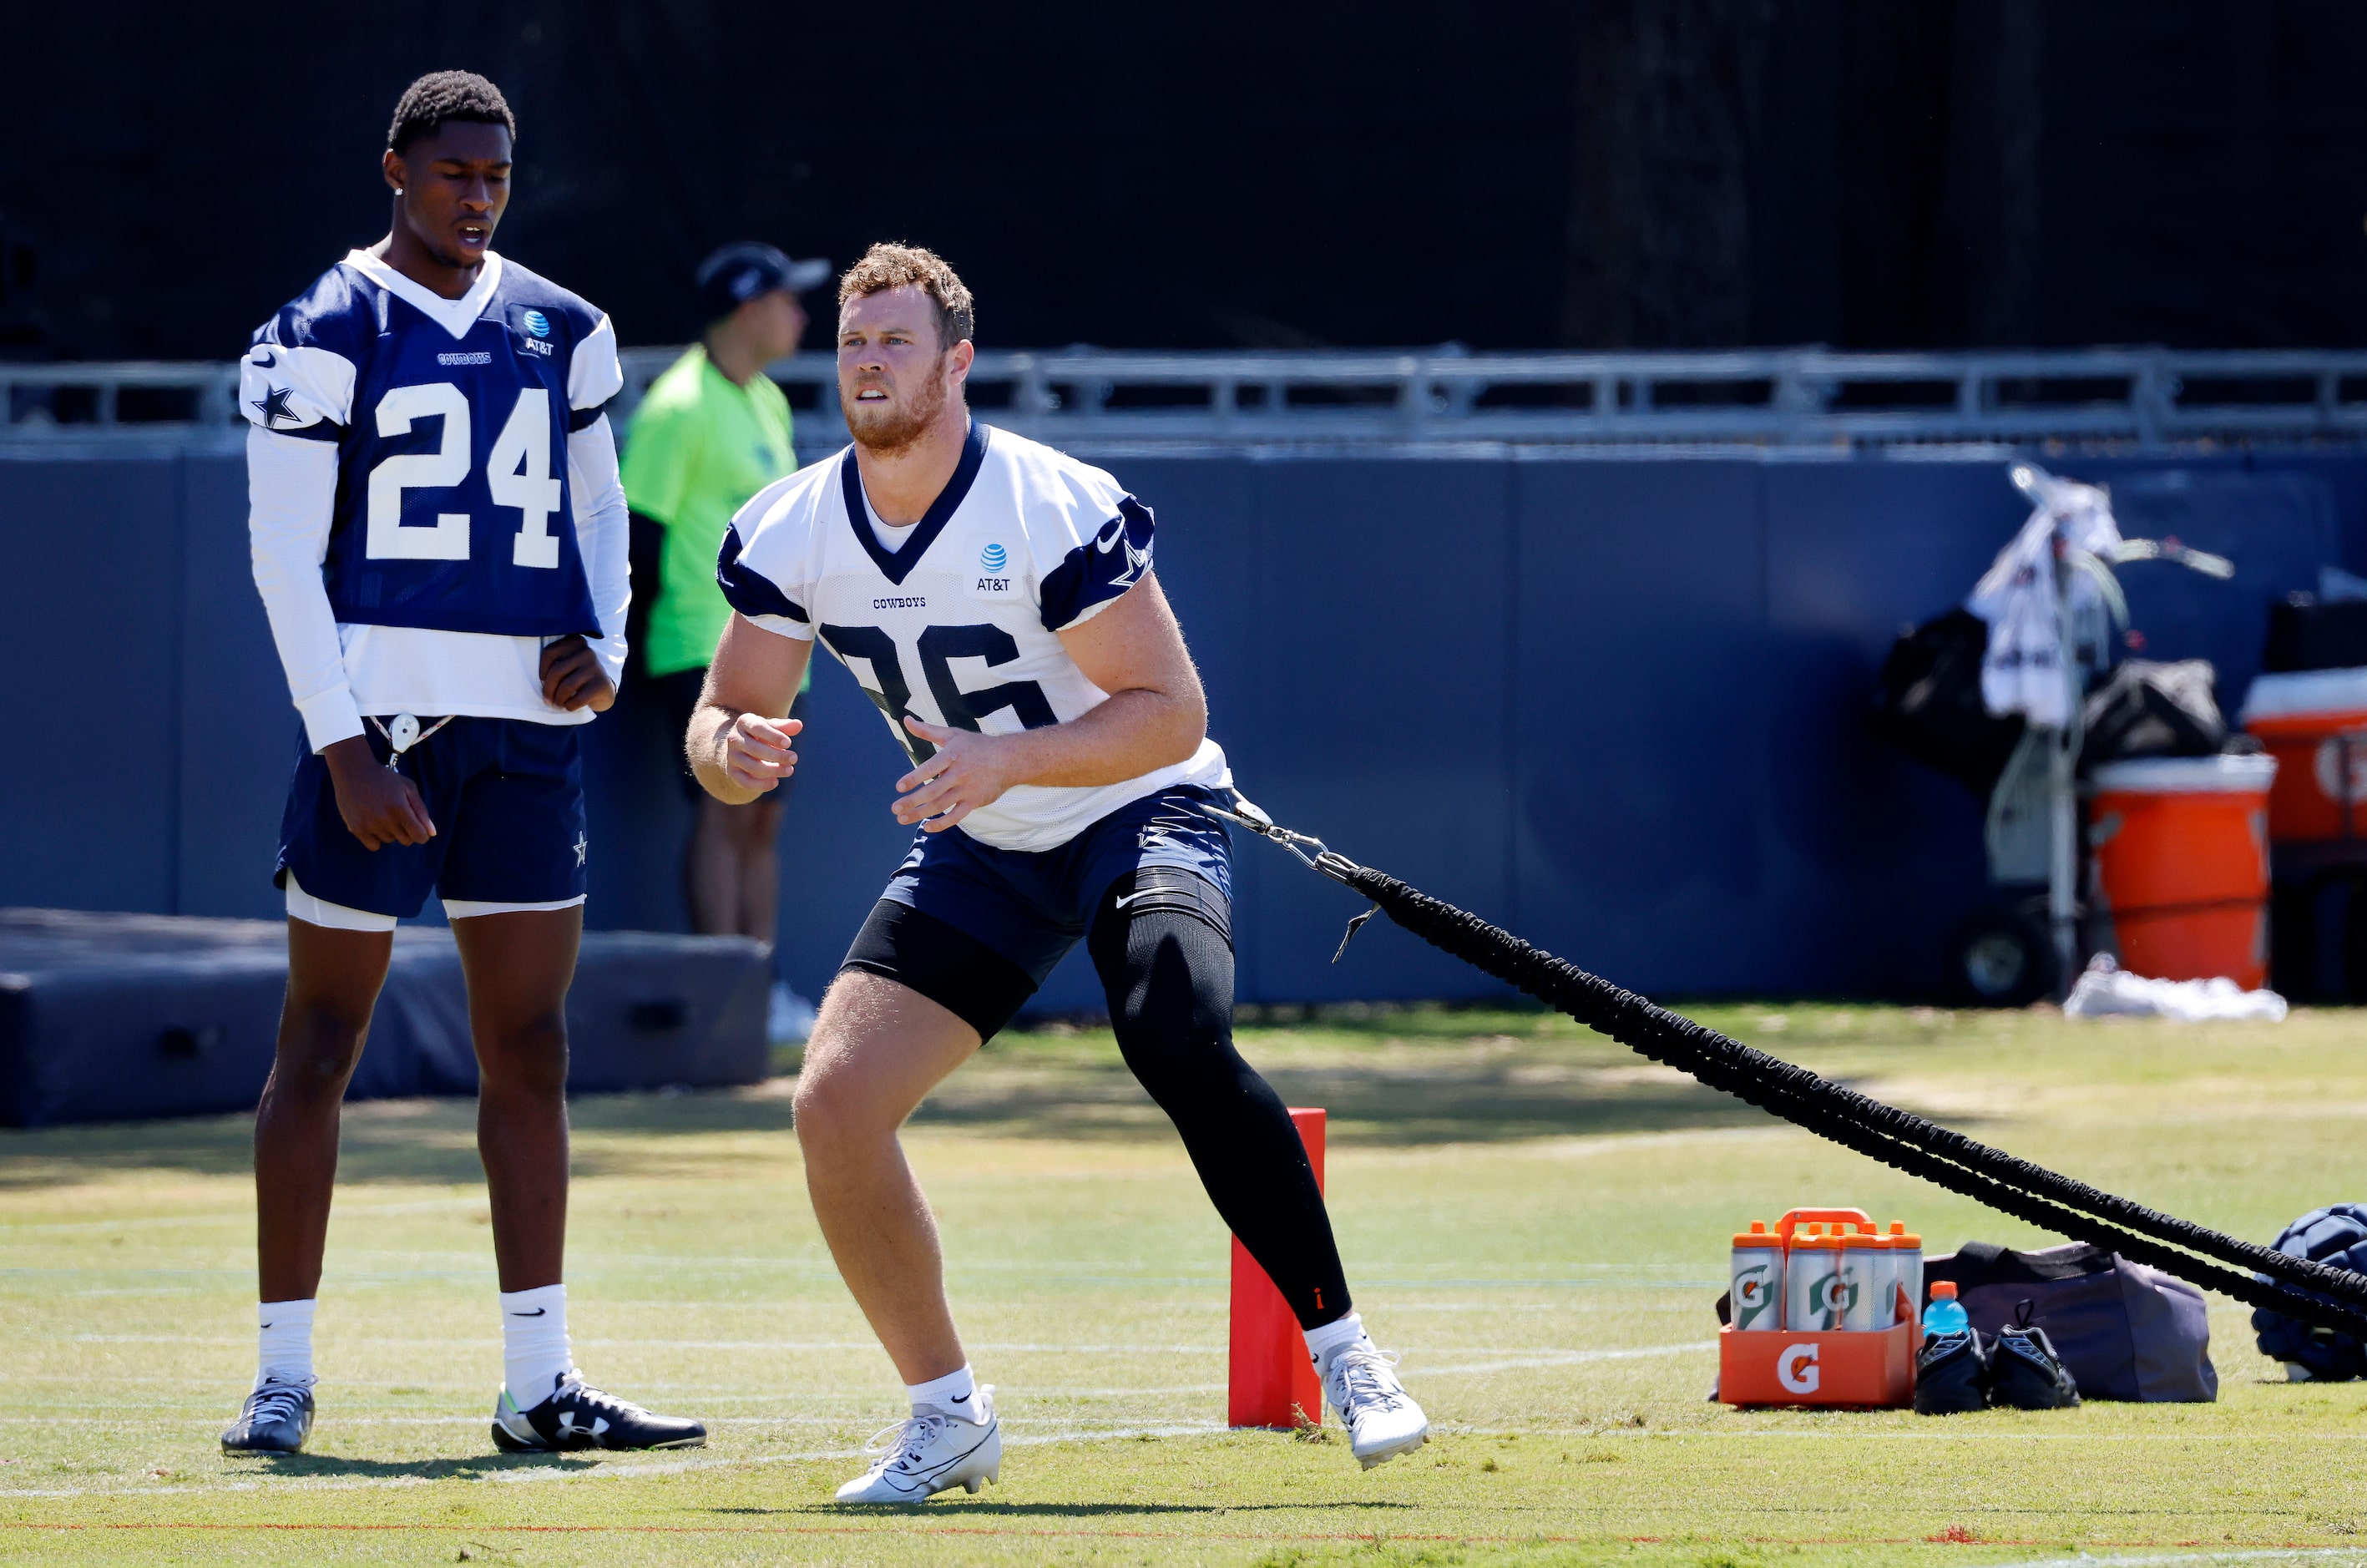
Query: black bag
point(2125, 1330)
point(1929, 702)
point(2148, 708)
point(2306, 635)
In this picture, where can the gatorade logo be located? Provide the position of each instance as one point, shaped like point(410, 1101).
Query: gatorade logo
point(1832, 1296)
point(1795, 1368)
point(1750, 1296)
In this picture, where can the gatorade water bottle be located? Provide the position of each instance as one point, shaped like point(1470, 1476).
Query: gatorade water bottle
point(1861, 1267)
point(1758, 1300)
point(1945, 1314)
point(1812, 1280)
point(1882, 1283)
point(1906, 1259)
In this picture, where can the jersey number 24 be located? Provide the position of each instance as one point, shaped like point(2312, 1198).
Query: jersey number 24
point(517, 474)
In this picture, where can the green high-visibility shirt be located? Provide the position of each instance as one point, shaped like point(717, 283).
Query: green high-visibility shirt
point(697, 448)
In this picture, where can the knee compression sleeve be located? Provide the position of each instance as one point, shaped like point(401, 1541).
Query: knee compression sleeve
point(1161, 944)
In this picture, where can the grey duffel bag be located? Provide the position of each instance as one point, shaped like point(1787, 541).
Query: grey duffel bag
point(2125, 1330)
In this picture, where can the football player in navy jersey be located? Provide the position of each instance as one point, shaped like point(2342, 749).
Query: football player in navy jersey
point(439, 539)
point(996, 600)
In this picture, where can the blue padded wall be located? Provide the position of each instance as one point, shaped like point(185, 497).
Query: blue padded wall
point(1614, 702)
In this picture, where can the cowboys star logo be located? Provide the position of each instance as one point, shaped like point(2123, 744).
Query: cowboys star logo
point(273, 405)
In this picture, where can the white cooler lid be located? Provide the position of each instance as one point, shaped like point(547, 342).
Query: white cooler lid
point(2300, 692)
point(2189, 775)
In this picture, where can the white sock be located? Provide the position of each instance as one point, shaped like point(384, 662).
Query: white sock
point(1333, 1337)
point(284, 1352)
point(956, 1393)
point(533, 1343)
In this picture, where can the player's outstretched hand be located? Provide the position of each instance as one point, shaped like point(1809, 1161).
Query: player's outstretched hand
point(969, 770)
point(379, 805)
point(572, 677)
point(756, 750)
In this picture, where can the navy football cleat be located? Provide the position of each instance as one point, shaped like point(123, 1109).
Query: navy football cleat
point(1952, 1374)
point(275, 1419)
point(2025, 1371)
point(578, 1415)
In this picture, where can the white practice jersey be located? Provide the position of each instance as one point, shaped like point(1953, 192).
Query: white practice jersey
point(958, 624)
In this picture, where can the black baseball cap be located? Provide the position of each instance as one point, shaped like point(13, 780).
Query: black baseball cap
point(737, 273)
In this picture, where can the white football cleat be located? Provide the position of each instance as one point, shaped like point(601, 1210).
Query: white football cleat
point(1382, 1419)
point(925, 1454)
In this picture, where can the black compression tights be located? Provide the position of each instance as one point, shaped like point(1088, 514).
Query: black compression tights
point(1169, 978)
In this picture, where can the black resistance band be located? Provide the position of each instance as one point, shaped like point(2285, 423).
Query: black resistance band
point(2297, 1286)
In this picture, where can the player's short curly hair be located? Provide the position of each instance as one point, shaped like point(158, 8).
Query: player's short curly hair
point(441, 96)
point(888, 264)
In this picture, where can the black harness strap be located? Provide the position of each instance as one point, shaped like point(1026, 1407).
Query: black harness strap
point(2313, 1292)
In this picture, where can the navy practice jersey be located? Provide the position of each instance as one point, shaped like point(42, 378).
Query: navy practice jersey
point(451, 419)
point(959, 624)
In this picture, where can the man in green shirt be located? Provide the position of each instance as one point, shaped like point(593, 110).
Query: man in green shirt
point(712, 431)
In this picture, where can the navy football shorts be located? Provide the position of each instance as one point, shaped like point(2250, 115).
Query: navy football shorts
point(1013, 913)
point(507, 797)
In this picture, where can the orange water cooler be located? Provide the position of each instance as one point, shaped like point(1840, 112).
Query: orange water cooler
point(2314, 723)
point(2182, 864)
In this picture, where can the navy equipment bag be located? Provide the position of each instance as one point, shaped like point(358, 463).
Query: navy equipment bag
point(2336, 1235)
point(2125, 1330)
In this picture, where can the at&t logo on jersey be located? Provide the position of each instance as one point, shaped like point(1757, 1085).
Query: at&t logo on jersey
point(993, 559)
point(534, 333)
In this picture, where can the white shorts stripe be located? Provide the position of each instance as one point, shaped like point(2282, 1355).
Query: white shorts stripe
point(469, 909)
point(303, 907)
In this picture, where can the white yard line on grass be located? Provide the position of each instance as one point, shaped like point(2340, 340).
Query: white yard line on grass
point(1414, 1369)
point(227, 1216)
point(599, 1470)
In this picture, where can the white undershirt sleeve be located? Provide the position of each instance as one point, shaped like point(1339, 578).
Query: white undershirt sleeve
point(291, 488)
point(602, 537)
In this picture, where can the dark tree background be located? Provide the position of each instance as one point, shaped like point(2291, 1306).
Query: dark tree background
point(1597, 173)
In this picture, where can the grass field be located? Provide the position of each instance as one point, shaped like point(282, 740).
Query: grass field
point(1534, 1217)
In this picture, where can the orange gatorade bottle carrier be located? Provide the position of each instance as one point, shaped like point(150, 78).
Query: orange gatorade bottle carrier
point(1815, 1359)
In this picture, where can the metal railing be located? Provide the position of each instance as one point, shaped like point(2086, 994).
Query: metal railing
point(1801, 397)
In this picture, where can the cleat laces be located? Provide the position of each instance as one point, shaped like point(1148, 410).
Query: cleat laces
point(603, 1407)
point(1367, 1382)
point(900, 1446)
point(273, 1401)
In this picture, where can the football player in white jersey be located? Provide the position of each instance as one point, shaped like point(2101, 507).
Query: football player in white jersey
point(439, 539)
point(996, 599)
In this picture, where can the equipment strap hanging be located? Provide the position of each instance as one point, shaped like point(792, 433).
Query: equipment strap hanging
point(2313, 1292)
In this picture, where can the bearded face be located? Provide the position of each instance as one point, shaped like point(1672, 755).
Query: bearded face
point(888, 407)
